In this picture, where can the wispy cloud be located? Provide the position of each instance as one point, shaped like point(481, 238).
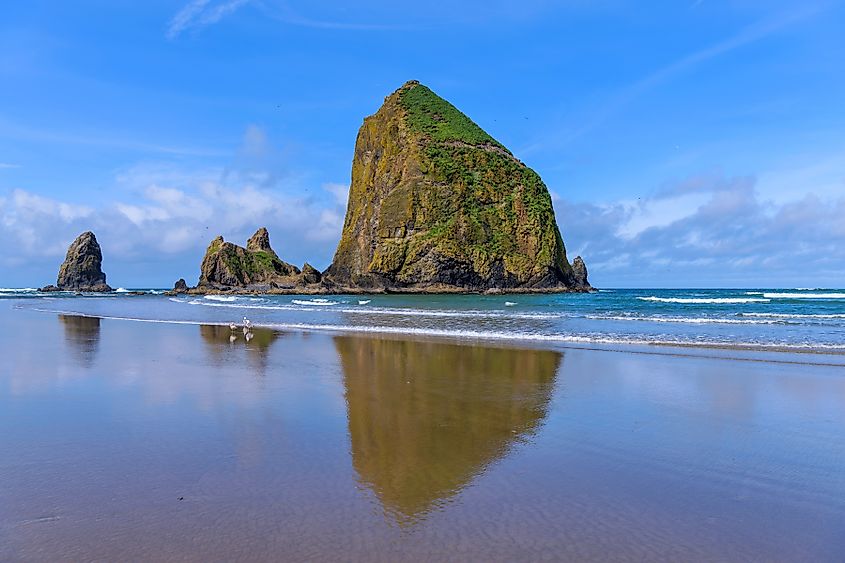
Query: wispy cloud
point(201, 13)
point(8, 165)
point(22, 132)
point(751, 34)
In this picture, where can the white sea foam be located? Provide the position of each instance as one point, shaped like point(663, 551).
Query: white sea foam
point(804, 295)
point(754, 293)
point(223, 298)
point(810, 316)
point(582, 339)
point(17, 289)
point(704, 300)
point(121, 290)
point(318, 302)
point(451, 313)
point(687, 320)
point(509, 303)
point(363, 301)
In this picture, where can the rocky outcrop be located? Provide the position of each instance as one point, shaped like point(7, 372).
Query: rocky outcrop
point(437, 204)
point(181, 286)
point(228, 265)
point(82, 269)
point(579, 272)
point(310, 274)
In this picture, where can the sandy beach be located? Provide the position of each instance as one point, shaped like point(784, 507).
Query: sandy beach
point(143, 441)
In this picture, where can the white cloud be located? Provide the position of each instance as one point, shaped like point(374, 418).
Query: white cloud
point(339, 191)
point(201, 13)
point(7, 165)
point(709, 231)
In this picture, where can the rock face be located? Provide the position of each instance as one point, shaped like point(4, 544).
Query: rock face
point(310, 274)
point(181, 286)
point(82, 268)
point(579, 270)
point(228, 265)
point(437, 204)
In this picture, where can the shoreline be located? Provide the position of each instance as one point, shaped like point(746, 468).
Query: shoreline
point(662, 348)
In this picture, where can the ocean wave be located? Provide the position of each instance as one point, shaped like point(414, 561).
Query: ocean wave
point(704, 300)
point(562, 338)
point(318, 302)
point(688, 320)
point(17, 289)
point(121, 290)
point(754, 293)
point(809, 316)
point(223, 298)
point(804, 295)
point(304, 306)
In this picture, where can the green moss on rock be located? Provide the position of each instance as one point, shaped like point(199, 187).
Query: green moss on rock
point(229, 265)
point(436, 201)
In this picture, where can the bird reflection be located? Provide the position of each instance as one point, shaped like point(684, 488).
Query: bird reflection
point(221, 340)
point(426, 418)
point(82, 334)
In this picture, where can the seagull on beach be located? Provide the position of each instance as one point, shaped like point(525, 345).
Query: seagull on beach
point(233, 327)
point(247, 323)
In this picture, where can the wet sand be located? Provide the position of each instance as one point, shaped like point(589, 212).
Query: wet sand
point(138, 441)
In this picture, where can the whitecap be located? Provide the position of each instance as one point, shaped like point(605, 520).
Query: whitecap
point(121, 290)
point(17, 289)
point(703, 300)
point(509, 303)
point(687, 320)
point(795, 315)
point(805, 295)
point(321, 302)
point(223, 298)
point(363, 301)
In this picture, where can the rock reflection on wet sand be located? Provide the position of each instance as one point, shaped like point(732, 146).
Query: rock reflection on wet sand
point(425, 418)
point(82, 335)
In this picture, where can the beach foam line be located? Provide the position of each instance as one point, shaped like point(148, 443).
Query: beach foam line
point(495, 335)
point(361, 310)
point(318, 302)
point(691, 320)
point(809, 316)
point(705, 300)
point(804, 295)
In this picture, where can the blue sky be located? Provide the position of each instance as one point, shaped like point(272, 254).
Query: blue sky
point(688, 143)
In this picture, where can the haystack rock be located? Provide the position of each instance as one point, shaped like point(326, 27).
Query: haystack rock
point(228, 265)
point(82, 269)
point(437, 204)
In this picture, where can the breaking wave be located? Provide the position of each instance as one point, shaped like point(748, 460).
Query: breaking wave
point(705, 300)
point(804, 295)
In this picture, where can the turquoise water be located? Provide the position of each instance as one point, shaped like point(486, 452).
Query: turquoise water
point(792, 319)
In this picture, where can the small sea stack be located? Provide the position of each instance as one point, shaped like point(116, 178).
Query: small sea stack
point(82, 269)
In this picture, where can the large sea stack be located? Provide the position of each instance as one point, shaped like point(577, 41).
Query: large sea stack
point(82, 269)
point(437, 204)
point(257, 267)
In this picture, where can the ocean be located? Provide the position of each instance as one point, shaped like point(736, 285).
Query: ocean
point(792, 320)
